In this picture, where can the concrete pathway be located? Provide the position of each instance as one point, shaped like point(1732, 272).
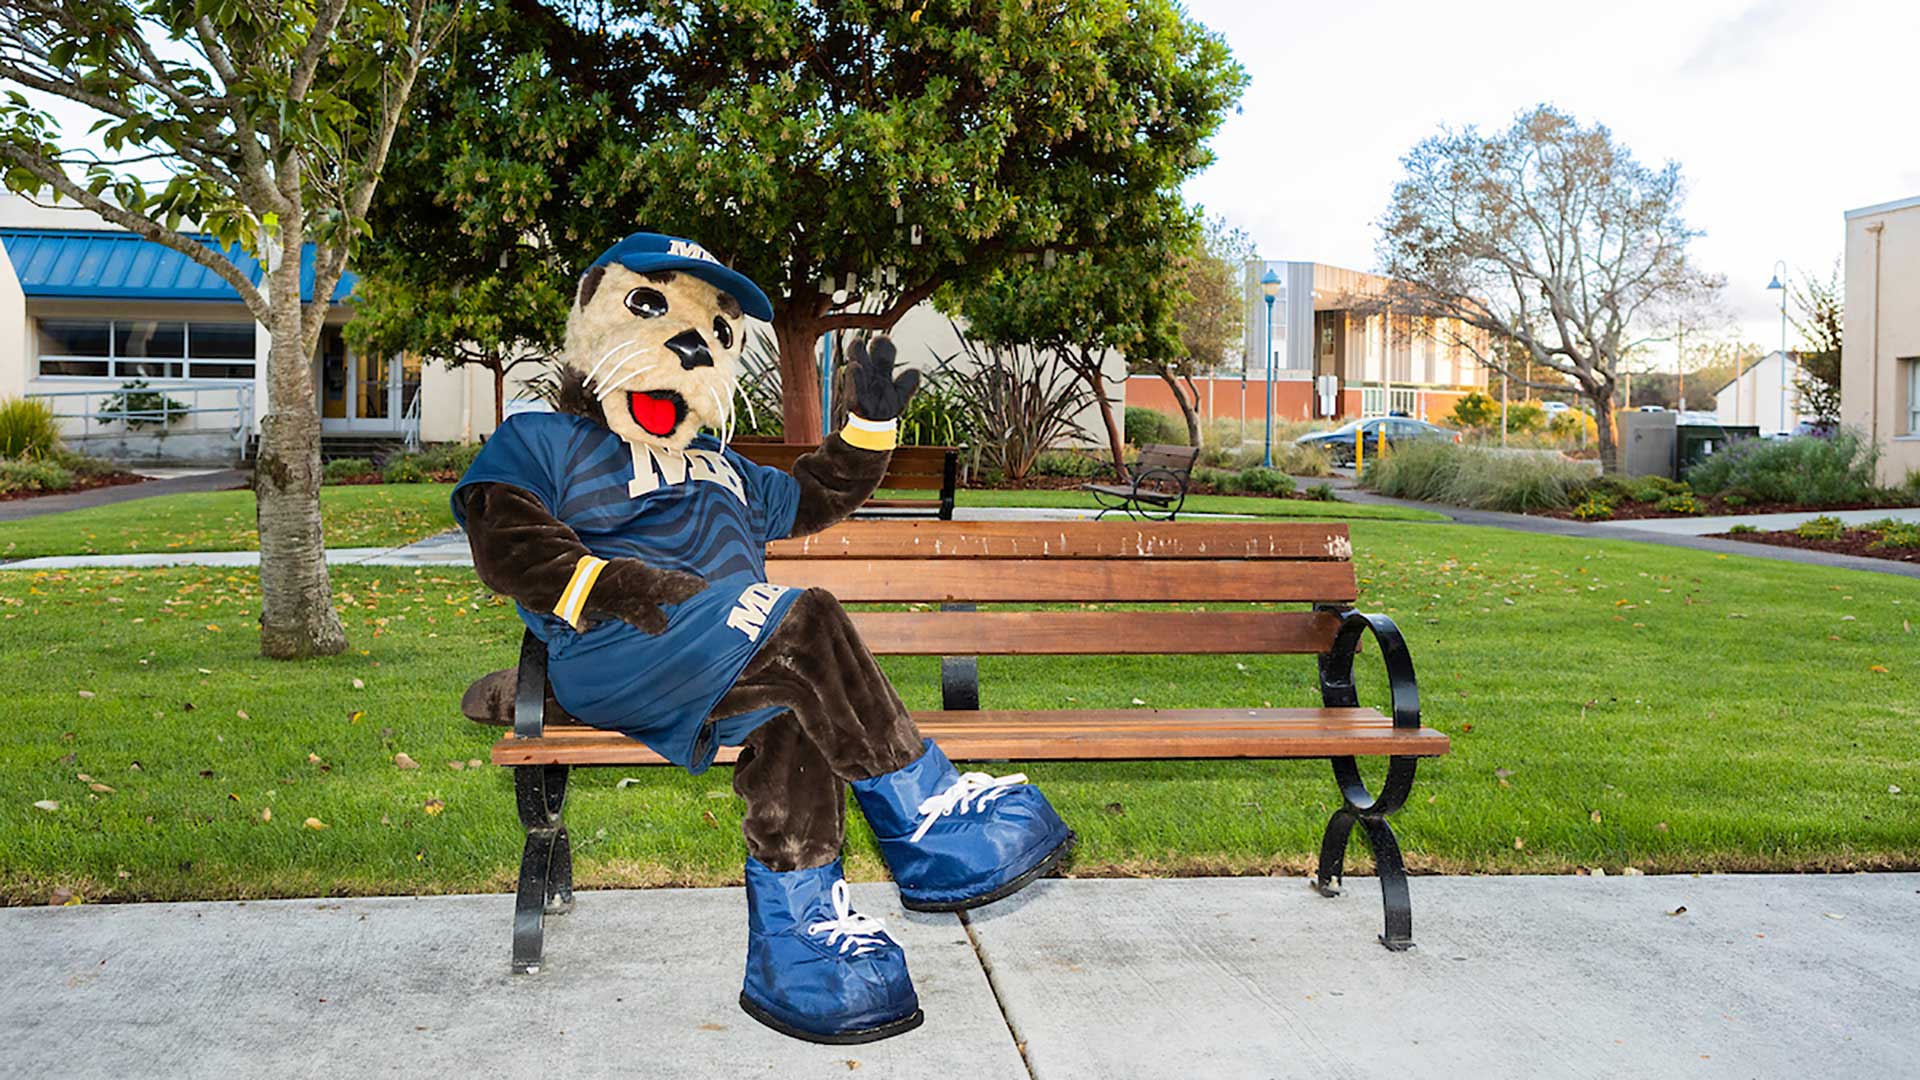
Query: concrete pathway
point(1220, 978)
point(1701, 526)
point(170, 482)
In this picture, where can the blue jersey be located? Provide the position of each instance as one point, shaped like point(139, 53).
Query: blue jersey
point(706, 511)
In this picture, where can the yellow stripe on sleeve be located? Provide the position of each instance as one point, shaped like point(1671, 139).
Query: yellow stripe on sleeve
point(573, 599)
point(870, 434)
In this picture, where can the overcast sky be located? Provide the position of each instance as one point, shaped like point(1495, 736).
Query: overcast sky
point(1783, 114)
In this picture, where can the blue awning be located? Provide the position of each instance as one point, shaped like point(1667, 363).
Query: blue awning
point(121, 266)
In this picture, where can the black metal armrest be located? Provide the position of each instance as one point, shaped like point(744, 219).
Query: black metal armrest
point(530, 694)
point(1336, 665)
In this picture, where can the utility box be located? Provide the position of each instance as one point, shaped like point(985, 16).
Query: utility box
point(1647, 443)
point(1698, 442)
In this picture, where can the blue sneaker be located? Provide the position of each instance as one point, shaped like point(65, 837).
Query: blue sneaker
point(958, 841)
point(816, 969)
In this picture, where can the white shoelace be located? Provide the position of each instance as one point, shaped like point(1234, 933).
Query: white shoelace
point(972, 791)
point(848, 928)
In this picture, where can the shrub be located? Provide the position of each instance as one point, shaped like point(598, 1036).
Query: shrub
point(348, 468)
point(937, 415)
point(404, 470)
point(1259, 481)
point(1477, 411)
point(1593, 508)
point(1734, 499)
point(1805, 471)
point(140, 407)
point(1217, 456)
point(1069, 463)
point(1525, 416)
point(1743, 529)
point(1655, 489)
point(31, 475)
point(1679, 503)
point(28, 429)
point(1821, 528)
point(1146, 425)
point(1304, 460)
point(1018, 401)
point(1896, 534)
point(1472, 476)
point(1218, 479)
point(1321, 493)
point(448, 457)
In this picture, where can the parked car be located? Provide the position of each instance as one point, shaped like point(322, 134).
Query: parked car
point(1338, 443)
point(1554, 408)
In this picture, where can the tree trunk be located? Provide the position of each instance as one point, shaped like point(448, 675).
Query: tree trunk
point(1188, 409)
point(798, 337)
point(1089, 369)
point(1603, 434)
point(296, 598)
point(499, 370)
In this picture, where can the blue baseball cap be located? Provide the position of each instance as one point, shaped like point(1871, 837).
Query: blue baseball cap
point(644, 252)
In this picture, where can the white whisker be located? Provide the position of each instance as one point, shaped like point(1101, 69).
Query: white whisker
point(629, 377)
point(720, 417)
point(630, 343)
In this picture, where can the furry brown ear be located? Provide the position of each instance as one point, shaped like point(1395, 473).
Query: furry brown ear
point(729, 306)
point(590, 283)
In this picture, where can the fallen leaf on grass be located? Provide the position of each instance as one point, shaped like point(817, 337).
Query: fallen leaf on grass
point(49, 805)
point(625, 781)
point(99, 788)
point(1893, 789)
point(1137, 701)
point(356, 716)
point(242, 714)
point(1632, 871)
point(712, 822)
point(456, 765)
point(1594, 816)
point(314, 823)
point(87, 694)
point(266, 813)
point(359, 684)
point(61, 897)
point(1519, 844)
point(433, 807)
point(1878, 669)
point(402, 761)
point(313, 759)
point(474, 763)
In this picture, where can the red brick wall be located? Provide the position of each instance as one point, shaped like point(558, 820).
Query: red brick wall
point(1292, 399)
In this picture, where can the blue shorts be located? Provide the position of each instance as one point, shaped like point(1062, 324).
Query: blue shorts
point(662, 688)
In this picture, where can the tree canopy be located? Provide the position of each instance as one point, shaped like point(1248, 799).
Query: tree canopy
point(852, 158)
point(1551, 237)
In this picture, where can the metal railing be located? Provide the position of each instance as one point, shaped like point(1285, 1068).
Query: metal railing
point(151, 409)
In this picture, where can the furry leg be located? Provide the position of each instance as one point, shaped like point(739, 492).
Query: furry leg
point(796, 808)
point(816, 665)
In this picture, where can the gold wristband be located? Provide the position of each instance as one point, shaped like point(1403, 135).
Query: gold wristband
point(573, 599)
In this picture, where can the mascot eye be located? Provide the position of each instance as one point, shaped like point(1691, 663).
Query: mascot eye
point(647, 303)
point(722, 331)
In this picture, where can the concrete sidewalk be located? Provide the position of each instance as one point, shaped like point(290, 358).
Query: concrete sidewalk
point(1217, 978)
point(1701, 526)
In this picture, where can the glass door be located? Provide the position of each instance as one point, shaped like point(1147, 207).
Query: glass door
point(357, 393)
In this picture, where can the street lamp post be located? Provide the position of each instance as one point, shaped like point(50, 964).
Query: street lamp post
point(1779, 283)
point(1270, 285)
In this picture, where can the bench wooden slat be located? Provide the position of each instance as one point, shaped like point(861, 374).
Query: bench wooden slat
point(1325, 541)
point(1164, 456)
point(912, 482)
point(1069, 735)
point(1009, 581)
point(1094, 633)
point(1129, 493)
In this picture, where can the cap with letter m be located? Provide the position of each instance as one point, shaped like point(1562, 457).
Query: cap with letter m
point(646, 252)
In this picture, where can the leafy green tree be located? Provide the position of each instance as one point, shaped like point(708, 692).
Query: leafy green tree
point(1209, 311)
point(265, 126)
point(855, 157)
point(1121, 298)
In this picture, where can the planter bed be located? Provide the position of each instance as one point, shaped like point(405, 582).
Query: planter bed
point(80, 483)
point(1714, 506)
point(1859, 542)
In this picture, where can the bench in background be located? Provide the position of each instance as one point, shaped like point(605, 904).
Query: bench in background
point(913, 468)
point(964, 564)
point(1159, 489)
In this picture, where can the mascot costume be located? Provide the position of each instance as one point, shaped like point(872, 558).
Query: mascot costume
point(633, 545)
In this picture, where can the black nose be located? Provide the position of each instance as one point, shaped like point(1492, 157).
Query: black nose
point(691, 348)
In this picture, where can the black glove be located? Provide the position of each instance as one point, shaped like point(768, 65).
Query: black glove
point(630, 590)
point(877, 395)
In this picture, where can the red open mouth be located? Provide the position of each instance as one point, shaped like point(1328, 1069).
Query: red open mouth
point(657, 412)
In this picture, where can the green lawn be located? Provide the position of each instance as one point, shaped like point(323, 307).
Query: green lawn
point(1611, 705)
point(1195, 504)
point(372, 515)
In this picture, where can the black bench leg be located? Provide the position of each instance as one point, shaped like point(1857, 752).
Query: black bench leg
point(1370, 812)
point(546, 863)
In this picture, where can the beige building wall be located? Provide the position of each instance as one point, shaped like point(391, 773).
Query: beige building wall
point(1880, 353)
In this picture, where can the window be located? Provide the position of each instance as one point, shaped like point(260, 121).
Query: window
point(146, 349)
point(1911, 365)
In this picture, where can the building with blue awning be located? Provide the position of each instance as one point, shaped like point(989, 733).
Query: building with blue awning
point(86, 308)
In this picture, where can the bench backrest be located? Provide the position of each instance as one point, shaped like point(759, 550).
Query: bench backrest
point(1087, 562)
point(913, 468)
point(1177, 459)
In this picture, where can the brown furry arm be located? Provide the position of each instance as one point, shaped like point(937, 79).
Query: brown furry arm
point(834, 481)
point(522, 551)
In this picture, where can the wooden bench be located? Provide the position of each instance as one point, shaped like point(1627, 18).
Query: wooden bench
point(961, 564)
point(1159, 487)
point(913, 468)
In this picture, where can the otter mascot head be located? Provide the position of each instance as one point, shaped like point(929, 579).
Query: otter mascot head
point(653, 342)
